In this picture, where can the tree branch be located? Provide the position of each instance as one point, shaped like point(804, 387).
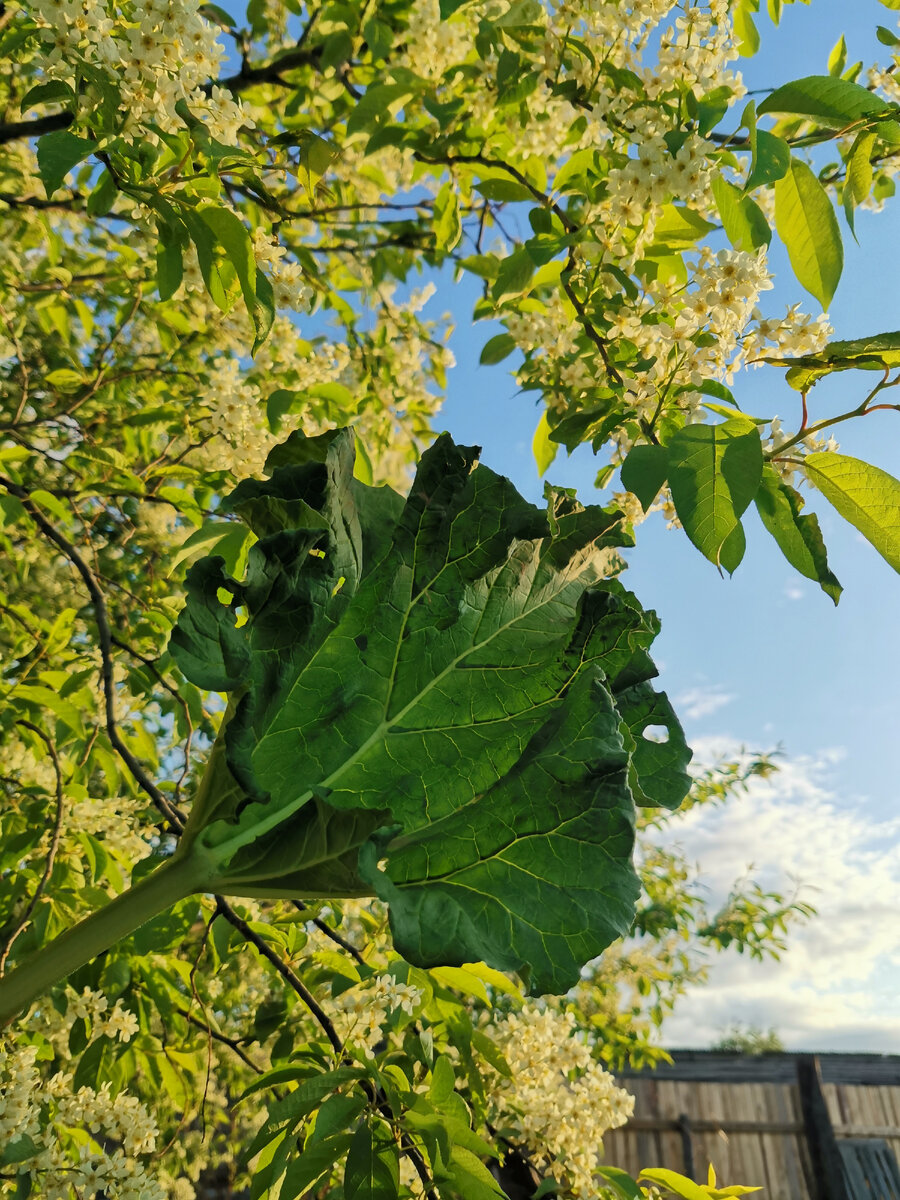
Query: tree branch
point(223, 908)
point(13, 130)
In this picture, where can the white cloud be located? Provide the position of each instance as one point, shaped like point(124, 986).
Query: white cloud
point(793, 591)
point(836, 986)
point(700, 702)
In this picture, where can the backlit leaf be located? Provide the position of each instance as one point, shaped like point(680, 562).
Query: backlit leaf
point(714, 473)
point(864, 495)
point(799, 537)
point(828, 100)
point(806, 223)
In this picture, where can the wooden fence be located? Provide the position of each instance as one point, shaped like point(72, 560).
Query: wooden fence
point(778, 1121)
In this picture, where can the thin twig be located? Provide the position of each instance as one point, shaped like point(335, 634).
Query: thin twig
point(331, 933)
point(51, 853)
point(232, 1043)
point(104, 637)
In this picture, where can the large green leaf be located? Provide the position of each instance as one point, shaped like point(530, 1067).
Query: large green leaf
point(447, 684)
point(799, 537)
point(864, 495)
point(714, 473)
point(828, 100)
point(806, 223)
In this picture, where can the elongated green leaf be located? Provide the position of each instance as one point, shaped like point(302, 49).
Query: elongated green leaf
point(169, 268)
point(57, 154)
point(471, 1177)
point(644, 472)
point(742, 218)
point(372, 1171)
point(859, 174)
point(679, 1184)
point(807, 225)
point(864, 495)
point(714, 473)
point(543, 448)
point(745, 28)
point(830, 101)
point(231, 233)
point(446, 222)
point(447, 684)
point(799, 538)
point(770, 155)
point(624, 1187)
point(497, 348)
point(304, 1171)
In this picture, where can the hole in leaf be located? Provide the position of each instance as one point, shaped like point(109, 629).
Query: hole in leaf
point(656, 733)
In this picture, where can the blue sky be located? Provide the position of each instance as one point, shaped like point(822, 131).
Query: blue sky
point(764, 659)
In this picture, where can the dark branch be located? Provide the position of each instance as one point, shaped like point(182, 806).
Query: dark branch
point(12, 131)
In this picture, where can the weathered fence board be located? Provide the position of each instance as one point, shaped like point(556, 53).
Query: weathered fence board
point(746, 1116)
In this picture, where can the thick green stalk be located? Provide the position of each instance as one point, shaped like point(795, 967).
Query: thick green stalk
point(169, 883)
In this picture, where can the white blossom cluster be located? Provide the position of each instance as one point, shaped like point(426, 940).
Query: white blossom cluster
point(157, 53)
point(288, 281)
point(361, 1012)
point(85, 1143)
point(89, 1006)
point(242, 436)
point(558, 1098)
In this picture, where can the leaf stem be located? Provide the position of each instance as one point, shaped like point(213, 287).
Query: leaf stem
point(173, 881)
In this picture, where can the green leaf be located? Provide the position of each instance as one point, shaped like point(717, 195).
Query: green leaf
point(679, 1184)
point(678, 228)
point(644, 472)
point(714, 473)
point(542, 446)
point(745, 28)
point(314, 1161)
point(864, 495)
point(497, 348)
point(743, 219)
point(837, 59)
point(308, 1094)
point(621, 1183)
point(169, 266)
point(218, 280)
point(445, 220)
point(453, 671)
point(859, 173)
point(831, 102)
point(19, 1150)
point(807, 225)
point(514, 276)
point(372, 1171)
point(799, 538)
point(770, 161)
point(231, 233)
point(57, 154)
point(52, 92)
point(102, 196)
point(229, 541)
point(471, 1178)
